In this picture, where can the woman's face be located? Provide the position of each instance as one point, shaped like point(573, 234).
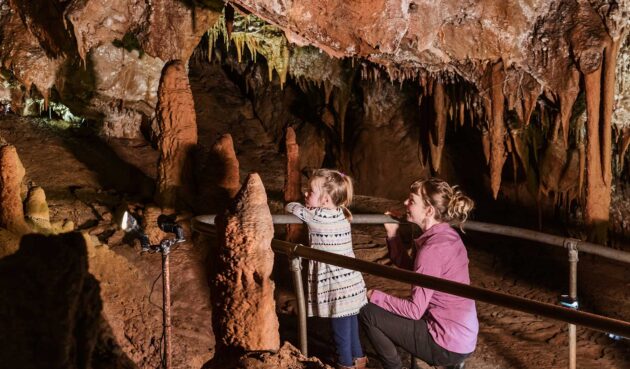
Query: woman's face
point(417, 211)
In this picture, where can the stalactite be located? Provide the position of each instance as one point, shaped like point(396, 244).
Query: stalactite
point(582, 166)
point(497, 128)
point(229, 20)
point(567, 99)
point(438, 132)
point(461, 111)
point(597, 196)
point(485, 142)
point(520, 148)
point(624, 143)
point(529, 104)
point(328, 88)
point(608, 96)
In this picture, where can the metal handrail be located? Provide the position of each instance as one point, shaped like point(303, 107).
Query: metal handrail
point(593, 321)
point(582, 246)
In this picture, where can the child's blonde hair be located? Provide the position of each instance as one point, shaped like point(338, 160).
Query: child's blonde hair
point(450, 204)
point(337, 185)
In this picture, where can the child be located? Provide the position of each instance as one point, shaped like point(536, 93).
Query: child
point(333, 292)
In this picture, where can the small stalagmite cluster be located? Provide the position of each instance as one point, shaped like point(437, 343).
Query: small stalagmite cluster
point(22, 210)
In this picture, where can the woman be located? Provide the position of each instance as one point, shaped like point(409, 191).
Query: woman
point(436, 327)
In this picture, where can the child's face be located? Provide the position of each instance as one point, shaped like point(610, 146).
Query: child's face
point(313, 197)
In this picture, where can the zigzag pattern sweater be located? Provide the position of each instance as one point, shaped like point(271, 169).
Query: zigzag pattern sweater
point(333, 292)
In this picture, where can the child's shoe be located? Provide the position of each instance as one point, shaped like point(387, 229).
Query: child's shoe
point(339, 366)
point(361, 362)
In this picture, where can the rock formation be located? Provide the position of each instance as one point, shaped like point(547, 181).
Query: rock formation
point(11, 175)
point(218, 177)
point(293, 183)
point(177, 137)
point(244, 313)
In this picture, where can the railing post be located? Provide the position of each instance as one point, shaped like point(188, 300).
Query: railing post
point(571, 245)
point(296, 268)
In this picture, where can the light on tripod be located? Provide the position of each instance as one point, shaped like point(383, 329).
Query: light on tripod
point(168, 224)
point(129, 224)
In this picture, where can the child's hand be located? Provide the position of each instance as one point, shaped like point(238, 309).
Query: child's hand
point(392, 228)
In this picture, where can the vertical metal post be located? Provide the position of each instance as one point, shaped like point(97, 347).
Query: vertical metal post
point(571, 245)
point(296, 268)
point(166, 304)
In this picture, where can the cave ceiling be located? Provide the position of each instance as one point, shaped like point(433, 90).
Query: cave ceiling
point(514, 58)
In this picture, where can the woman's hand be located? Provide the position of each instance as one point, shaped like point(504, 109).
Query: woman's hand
point(392, 228)
point(369, 294)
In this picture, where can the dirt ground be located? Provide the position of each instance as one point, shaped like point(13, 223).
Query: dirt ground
point(87, 180)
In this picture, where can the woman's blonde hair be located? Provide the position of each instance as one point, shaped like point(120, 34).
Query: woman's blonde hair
point(337, 185)
point(450, 204)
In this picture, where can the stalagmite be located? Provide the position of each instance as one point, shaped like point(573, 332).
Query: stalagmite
point(219, 179)
point(497, 129)
point(177, 137)
point(11, 175)
point(36, 208)
point(438, 132)
point(293, 183)
point(244, 315)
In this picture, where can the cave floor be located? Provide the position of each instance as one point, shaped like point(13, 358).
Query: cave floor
point(87, 179)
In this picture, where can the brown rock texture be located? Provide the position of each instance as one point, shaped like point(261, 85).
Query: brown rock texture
point(243, 304)
point(22, 53)
point(173, 29)
point(177, 137)
point(388, 135)
point(287, 357)
point(11, 176)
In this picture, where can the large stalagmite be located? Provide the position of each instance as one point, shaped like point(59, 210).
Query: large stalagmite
point(244, 313)
point(177, 136)
point(11, 175)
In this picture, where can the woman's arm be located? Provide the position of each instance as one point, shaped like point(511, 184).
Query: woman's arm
point(428, 262)
point(398, 254)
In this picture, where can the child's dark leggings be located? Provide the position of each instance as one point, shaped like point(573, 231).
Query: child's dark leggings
point(346, 336)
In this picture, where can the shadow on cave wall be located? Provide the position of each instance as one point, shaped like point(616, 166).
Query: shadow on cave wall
point(50, 308)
